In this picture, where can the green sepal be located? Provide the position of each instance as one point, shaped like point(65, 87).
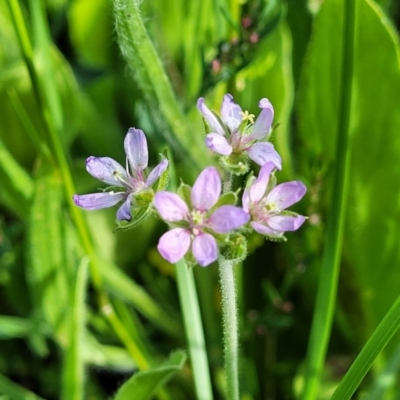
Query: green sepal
point(141, 208)
point(236, 164)
point(184, 192)
point(208, 129)
point(234, 248)
point(229, 198)
point(162, 182)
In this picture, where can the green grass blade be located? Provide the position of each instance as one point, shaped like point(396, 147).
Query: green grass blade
point(326, 295)
point(377, 342)
point(14, 327)
point(150, 75)
point(73, 373)
point(16, 184)
point(124, 287)
point(16, 392)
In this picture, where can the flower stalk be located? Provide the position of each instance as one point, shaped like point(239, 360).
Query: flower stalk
point(230, 327)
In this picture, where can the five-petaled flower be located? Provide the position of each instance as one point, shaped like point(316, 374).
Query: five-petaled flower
point(267, 204)
point(125, 183)
point(235, 132)
point(195, 224)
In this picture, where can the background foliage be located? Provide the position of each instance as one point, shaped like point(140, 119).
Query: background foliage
point(76, 93)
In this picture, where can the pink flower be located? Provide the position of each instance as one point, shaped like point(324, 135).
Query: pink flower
point(196, 224)
point(128, 182)
point(267, 204)
point(235, 133)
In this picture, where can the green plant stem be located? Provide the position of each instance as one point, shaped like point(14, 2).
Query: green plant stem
point(376, 343)
point(326, 296)
point(194, 331)
point(230, 327)
point(61, 161)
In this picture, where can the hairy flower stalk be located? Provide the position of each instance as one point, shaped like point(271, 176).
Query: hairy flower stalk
point(198, 221)
point(236, 137)
point(132, 185)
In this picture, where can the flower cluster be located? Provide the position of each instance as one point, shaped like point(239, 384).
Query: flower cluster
point(205, 223)
point(236, 136)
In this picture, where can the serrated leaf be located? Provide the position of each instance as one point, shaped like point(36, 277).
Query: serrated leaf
point(145, 383)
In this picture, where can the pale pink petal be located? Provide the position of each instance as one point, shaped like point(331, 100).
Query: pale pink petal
point(107, 170)
point(218, 144)
point(171, 207)
point(231, 113)
point(157, 172)
point(205, 249)
point(136, 149)
point(265, 230)
point(207, 189)
point(283, 223)
point(227, 218)
point(174, 244)
point(263, 152)
point(246, 199)
point(285, 194)
point(96, 201)
point(263, 123)
point(258, 188)
point(211, 119)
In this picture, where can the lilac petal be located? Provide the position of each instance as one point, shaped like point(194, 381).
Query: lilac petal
point(174, 244)
point(246, 199)
point(258, 188)
point(205, 249)
point(107, 170)
point(212, 120)
point(136, 149)
point(170, 206)
point(156, 173)
point(124, 212)
point(285, 223)
point(207, 189)
point(264, 121)
point(265, 230)
point(227, 218)
point(96, 201)
point(263, 152)
point(231, 113)
point(218, 144)
point(285, 194)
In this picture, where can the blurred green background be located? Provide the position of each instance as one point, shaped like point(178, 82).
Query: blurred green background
point(71, 88)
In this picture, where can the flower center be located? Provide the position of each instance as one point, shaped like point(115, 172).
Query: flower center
point(197, 217)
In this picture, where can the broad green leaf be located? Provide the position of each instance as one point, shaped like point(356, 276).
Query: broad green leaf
point(145, 383)
point(49, 275)
point(371, 244)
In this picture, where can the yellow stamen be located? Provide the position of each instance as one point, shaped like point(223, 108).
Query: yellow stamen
point(246, 116)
